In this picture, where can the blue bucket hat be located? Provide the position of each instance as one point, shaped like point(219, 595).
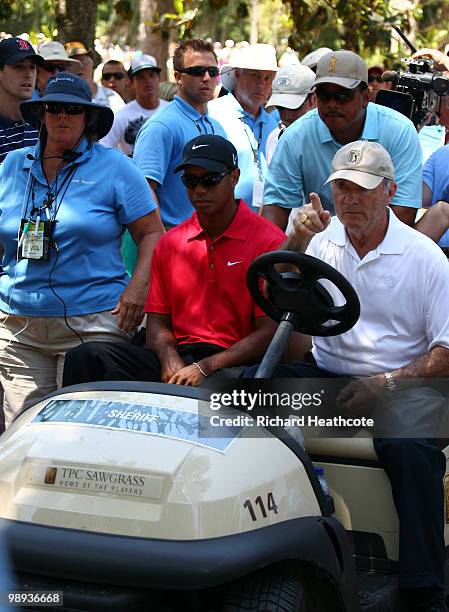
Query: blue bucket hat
point(69, 88)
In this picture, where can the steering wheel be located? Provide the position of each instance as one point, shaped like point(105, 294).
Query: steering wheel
point(302, 294)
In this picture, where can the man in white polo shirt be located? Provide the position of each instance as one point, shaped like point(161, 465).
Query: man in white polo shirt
point(402, 280)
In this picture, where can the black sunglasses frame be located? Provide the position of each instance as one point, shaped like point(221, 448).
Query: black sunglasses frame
point(65, 108)
point(54, 67)
point(200, 71)
point(191, 181)
point(118, 76)
point(338, 96)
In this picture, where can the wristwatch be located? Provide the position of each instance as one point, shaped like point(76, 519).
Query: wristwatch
point(391, 383)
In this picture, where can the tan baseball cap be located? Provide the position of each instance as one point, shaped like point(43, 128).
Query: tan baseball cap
point(54, 51)
point(343, 68)
point(291, 86)
point(362, 162)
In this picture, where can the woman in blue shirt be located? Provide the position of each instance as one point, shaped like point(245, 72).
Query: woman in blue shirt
point(63, 208)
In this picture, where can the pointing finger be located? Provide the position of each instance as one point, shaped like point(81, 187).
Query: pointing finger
point(316, 202)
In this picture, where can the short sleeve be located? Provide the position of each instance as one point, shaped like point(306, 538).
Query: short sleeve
point(406, 155)
point(436, 300)
point(153, 150)
point(428, 173)
point(157, 299)
point(133, 196)
point(284, 180)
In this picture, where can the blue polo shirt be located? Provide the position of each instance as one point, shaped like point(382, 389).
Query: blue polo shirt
point(302, 161)
point(248, 135)
point(436, 177)
point(105, 193)
point(158, 150)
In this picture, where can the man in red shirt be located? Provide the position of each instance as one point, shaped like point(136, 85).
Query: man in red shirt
point(201, 317)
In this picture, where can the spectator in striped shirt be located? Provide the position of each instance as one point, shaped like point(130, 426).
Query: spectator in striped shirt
point(18, 62)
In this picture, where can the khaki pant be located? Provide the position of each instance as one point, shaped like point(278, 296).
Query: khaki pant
point(32, 352)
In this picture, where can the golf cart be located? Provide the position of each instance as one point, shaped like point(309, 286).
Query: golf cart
point(118, 496)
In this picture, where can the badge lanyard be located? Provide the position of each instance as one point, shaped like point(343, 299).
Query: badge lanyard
point(36, 233)
point(255, 148)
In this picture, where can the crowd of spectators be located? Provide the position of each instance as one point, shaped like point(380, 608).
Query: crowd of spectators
point(91, 156)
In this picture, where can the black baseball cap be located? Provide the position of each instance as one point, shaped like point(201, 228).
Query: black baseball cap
point(210, 152)
point(14, 50)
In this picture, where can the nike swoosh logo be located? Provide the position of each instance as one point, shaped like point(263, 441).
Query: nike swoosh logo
point(233, 263)
point(198, 146)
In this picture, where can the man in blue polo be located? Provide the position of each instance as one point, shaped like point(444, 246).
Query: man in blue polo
point(243, 116)
point(160, 142)
point(18, 62)
point(303, 158)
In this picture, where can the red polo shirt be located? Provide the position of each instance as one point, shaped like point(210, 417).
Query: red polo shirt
point(201, 282)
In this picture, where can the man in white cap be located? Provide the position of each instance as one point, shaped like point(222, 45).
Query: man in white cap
point(243, 116)
point(145, 77)
point(402, 280)
point(55, 60)
point(303, 158)
point(311, 59)
point(293, 96)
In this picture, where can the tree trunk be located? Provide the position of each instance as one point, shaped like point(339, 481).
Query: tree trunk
point(76, 21)
point(154, 34)
point(254, 22)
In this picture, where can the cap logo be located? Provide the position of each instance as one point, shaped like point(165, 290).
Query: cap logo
point(283, 82)
point(332, 64)
point(234, 159)
point(354, 157)
point(198, 146)
point(23, 45)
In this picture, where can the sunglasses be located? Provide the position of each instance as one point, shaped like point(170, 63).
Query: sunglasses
point(54, 67)
point(339, 96)
point(191, 181)
point(372, 79)
point(200, 71)
point(118, 76)
point(54, 108)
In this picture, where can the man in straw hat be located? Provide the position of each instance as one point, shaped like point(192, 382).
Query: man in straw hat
point(55, 60)
point(243, 116)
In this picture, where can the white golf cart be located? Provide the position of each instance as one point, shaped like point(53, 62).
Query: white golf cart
point(115, 494)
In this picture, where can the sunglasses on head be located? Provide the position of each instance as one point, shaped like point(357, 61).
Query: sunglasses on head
point(54, 108)
point(107, 76)
point(191, 181)
point(339, 96)
point(54, 67)
point(373, 79)
point(200, 71)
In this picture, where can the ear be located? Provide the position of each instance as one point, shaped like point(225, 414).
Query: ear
point(235, 175)
point(392, 191)
point(177, 76)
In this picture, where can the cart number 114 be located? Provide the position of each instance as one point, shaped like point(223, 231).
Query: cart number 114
point(259, 506)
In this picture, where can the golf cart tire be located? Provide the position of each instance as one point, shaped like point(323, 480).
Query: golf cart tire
point(271, 590)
